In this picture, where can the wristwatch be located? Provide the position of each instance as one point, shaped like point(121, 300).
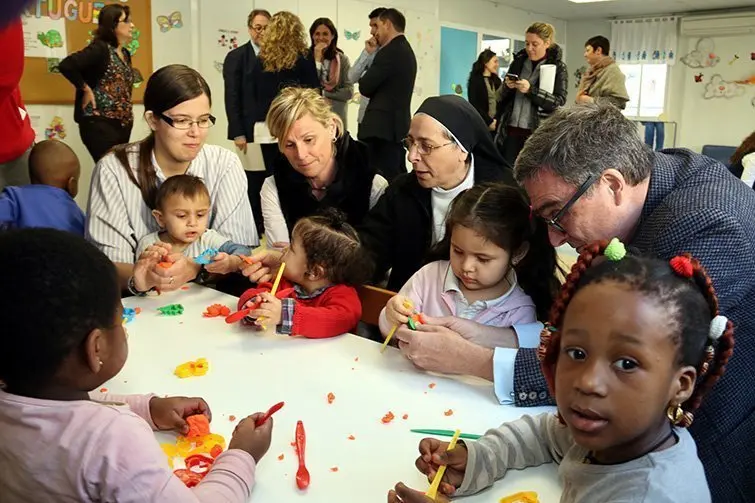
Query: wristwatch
point(132, 288)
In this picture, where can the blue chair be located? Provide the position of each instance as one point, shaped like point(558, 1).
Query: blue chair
point(721, 153)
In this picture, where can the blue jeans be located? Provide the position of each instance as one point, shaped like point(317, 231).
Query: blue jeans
point(657, 129)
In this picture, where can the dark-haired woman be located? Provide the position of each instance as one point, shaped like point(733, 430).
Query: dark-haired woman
point(104, 78)
point(482, 87)
point(124, 183)
point(332, 66)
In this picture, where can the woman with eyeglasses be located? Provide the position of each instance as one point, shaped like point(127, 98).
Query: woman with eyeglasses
point(177, 104)
point(104, 79)
point(450, 149)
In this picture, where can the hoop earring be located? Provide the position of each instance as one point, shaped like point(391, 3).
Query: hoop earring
point(675, 414)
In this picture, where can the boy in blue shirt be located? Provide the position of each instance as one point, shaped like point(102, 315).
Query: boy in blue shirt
point(48, 202)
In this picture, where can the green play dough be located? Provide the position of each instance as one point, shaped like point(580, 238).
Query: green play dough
point(171, 310)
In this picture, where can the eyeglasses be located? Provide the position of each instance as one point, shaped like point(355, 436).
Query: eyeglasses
point(554, 222)
point(259, 28)
point(423, 148)
point(185, 123)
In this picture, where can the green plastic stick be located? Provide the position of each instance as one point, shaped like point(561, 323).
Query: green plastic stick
point(447, 433)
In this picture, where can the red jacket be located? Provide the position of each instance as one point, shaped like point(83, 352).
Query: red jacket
point(16, 132)
point(335, 311)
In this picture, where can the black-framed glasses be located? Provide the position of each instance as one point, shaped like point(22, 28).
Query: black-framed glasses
point(422, 147)
point(554, 222)
point(259, 28)
point(186, 123)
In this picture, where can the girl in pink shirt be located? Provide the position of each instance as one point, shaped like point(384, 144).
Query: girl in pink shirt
point(63, 337)
point(498, 266)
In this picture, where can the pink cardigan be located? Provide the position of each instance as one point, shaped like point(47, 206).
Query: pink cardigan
point(426, 290)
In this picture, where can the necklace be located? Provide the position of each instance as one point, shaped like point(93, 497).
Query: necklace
point(590, 458)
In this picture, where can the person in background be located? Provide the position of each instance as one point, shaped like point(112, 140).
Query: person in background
point(104, 80)
point(54, 171)
point(482, 87)
point(364, 61)
point(177, 104)
point(239, 101)
point(603, 81)
point(523, 102)
point(63, 338)
point(15, 125)
point(332, 66)
point(743, 161)
point(389, 83)
point(321, 166)
point(283, 62)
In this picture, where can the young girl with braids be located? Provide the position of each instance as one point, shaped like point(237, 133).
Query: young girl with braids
point(494, 265)
point(632, 347)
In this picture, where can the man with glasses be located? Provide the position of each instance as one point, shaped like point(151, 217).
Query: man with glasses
point(239, 101)
point(589, 175)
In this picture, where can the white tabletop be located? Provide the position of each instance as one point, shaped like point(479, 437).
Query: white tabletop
point(250, 371)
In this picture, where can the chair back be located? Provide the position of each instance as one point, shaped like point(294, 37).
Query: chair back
point(373, 301)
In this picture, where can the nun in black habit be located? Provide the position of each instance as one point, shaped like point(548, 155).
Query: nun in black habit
point(450, 150)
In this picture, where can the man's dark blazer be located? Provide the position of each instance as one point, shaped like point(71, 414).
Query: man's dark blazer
point(239, 91)
point(389, 84)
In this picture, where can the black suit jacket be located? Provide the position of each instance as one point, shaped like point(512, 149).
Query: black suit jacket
point(239, 91)
point(389, 84)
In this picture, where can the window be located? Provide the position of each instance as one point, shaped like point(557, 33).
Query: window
point(646, 85)
point(502, 47)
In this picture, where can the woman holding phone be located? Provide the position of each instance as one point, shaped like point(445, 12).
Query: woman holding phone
point(104, 79)
point(523, 100)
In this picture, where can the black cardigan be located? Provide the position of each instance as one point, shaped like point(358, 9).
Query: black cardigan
point(87, 66)
point(349, 192)
point(398, 230)
point(269, 84)
point(477, 91)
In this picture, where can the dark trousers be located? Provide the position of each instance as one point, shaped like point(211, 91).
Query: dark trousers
point(255, 179)
point(100, 134)
point(513, 143)
point(386, 157)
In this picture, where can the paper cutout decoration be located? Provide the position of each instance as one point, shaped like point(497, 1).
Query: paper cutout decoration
point(699, 77)
point(457, 89)
point(138, 78)
point(52, 65)
point(56, 129)
point(133, 46)
point(228, 39)
point(720, 88)
point(734, 59)
point(352, 35)
point(578, 73)
point(51, 38)
point(167, 23)
point(218, 66)
point(703, 56)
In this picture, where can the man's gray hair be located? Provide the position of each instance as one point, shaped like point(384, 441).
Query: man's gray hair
point(585, 140)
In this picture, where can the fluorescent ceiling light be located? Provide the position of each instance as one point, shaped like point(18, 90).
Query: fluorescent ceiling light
point(589, 1)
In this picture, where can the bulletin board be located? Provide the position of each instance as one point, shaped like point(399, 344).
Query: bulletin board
point(55, 28)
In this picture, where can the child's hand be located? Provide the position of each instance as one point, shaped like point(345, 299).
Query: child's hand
point(252, 439)
point(433, 454)
point(269, 312)
point(396, 310)
point(171, 413)
point(403, 494)
point(222, 263)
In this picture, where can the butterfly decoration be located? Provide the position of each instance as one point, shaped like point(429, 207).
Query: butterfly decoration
point(218, 66)
point(352, 35)
point(133, 45)
point(734, 59)
point(167, 23)
point(699, 77)
point(56, 130)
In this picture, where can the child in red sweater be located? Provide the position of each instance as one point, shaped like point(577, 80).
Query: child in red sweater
point(316, 297)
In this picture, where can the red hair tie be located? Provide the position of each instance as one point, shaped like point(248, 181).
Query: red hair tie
point(682, 266)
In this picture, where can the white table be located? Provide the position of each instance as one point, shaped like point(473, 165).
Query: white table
point(251, 371)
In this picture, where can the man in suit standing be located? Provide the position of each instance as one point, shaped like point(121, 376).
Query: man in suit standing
point(239, 101)
point(389, 84)
point(364, 61)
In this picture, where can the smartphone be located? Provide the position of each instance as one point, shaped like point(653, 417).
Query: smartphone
point(511, 76)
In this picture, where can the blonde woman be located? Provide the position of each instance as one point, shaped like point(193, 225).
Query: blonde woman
point(285, 61)
point(523, 102)
point(321, 167)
